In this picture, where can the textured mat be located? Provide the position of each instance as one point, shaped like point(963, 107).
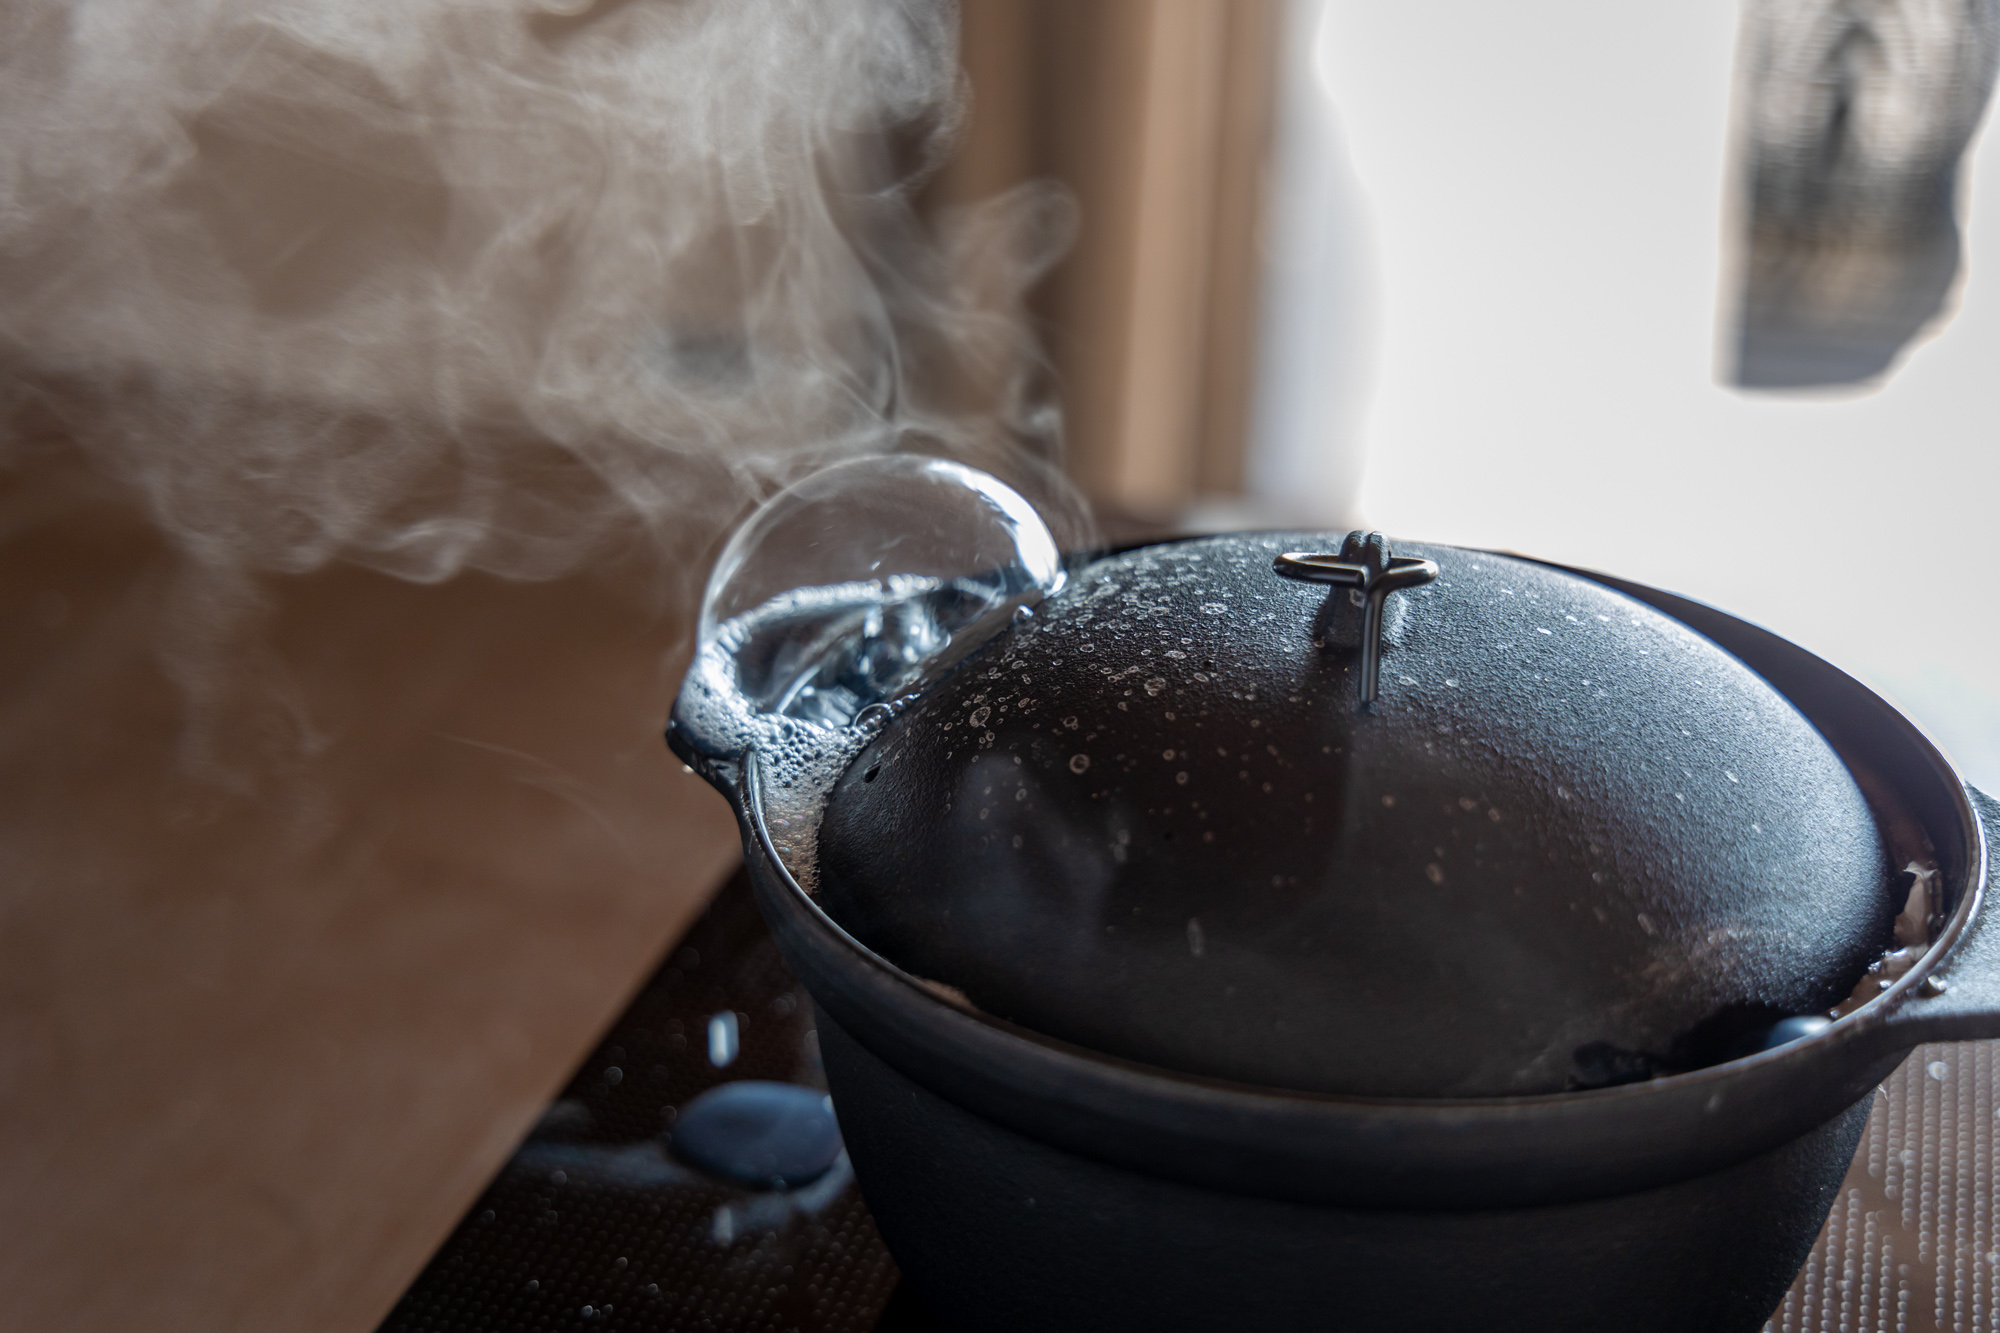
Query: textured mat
point(1911, 1247)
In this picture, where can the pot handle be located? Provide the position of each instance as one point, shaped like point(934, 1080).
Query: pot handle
point(1958, 997)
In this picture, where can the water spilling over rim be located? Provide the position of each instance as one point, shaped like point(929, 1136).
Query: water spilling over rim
point(915, 562)
point(801, 757)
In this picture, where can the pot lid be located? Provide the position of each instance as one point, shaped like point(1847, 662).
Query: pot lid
point(1570, 843)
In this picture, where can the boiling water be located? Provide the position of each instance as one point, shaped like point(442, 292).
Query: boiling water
point(805, 679)
point(806, 675)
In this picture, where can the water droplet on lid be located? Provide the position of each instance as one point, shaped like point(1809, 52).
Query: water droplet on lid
point(1079, 763)
point(1937, 1069)
point(1788, 1030)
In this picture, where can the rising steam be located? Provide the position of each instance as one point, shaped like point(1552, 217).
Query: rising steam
point(436, 285)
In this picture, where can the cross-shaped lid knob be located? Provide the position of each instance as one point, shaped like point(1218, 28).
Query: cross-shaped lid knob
point(1366, 565)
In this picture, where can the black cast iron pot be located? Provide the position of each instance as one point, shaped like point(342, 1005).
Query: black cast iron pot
point(1060, 1122)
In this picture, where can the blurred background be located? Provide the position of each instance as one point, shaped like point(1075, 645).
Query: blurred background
point(378, 382)
point(1691, 295)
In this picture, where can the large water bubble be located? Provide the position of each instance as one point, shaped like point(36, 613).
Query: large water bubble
point(864, 580)
point(855, 587)
point(842, 594)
